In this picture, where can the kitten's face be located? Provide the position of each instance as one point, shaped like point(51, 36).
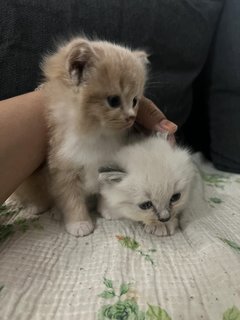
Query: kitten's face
point(112, 93)
point(141, 203)
point(106, 80)
point(156, 189)
point(148, 203)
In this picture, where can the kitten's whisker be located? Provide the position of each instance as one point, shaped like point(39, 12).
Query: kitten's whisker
point(155, 75)
point(157, 81)
point(154, 86)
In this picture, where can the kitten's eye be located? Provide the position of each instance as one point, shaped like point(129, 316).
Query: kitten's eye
point(135, 102)
point(175, 197)
point(114, 101)
point(146, 205)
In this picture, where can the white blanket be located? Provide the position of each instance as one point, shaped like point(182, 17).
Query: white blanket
point(119, 272)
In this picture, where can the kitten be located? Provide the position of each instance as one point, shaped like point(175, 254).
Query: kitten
point(150, 182)
point(92, 91)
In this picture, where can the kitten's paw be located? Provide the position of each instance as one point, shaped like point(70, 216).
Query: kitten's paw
point(172, 225)
point(156, 229)
point(106, 216)
point(80, 228)
point(162, 229)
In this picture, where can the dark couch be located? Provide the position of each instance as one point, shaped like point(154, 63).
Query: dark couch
point(195, 57)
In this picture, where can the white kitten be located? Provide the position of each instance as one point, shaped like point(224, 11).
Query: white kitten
point(150, 182)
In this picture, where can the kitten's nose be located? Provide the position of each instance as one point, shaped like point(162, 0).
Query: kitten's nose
point(164, 216)
point(129, 115)
point(130, 118)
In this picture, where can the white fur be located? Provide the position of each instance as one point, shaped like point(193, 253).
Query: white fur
point(87, 150)
point(154, 171)
point(90, 152)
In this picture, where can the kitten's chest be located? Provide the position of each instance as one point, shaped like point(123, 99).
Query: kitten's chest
point(90, 153)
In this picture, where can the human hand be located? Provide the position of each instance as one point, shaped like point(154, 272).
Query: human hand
point(151, 118)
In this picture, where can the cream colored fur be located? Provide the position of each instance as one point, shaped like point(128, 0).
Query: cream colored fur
point(84, 130)
point(150, 170)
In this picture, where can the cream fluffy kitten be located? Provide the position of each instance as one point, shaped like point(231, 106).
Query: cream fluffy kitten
point(149, 181)
point(92, 91)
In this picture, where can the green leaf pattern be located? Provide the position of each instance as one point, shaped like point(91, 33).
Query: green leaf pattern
point(128, 242)
point(108, 283)
point(121, 310)
point(10, 222)
point(215, 200)
point(232, 314)
point(125, 308)
point(124, 288)
point(156, 313)
point(231, 244)
point(107, 294)
point(215, 179)
point(133, 245)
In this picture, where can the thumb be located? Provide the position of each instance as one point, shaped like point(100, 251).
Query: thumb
point(150, 117)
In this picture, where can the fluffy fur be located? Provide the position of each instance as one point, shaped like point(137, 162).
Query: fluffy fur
point(92, 90)
point(150, 170)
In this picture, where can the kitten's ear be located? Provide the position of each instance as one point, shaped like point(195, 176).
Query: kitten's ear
point(79, 58)
point(111, 174)
point(143, 56)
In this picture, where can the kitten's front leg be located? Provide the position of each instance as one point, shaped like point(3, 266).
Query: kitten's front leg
point(68, 191)
point(162, 229)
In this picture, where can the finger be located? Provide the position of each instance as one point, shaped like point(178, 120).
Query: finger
point(166, 126)
point(150, 117)
point(148, 114)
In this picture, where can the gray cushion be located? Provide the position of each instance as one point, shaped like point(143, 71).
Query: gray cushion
point(214, 123)
point(224, 91)
point(177, 34)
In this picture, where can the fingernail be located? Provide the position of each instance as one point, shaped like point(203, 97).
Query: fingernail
point(166, 125)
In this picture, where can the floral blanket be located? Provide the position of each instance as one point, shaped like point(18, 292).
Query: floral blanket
point(121, 273)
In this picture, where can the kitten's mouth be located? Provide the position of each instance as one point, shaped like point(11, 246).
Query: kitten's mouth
point(126, 125)
point(164, 219)
point(130, 123)
point(123, 125)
